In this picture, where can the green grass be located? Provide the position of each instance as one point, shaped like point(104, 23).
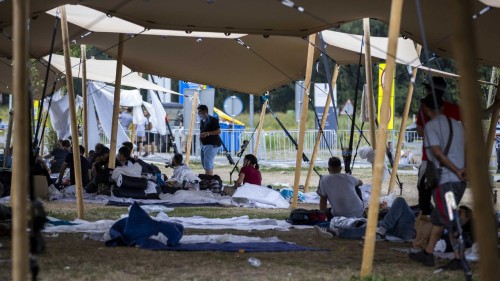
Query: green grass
point(288, 120)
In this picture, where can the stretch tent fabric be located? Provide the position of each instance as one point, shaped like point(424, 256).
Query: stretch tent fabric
point(104, 71)
point(278, 18)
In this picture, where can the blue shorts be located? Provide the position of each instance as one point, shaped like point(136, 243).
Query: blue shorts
point(208, 153)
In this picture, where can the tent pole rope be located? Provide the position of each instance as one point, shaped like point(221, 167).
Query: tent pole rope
point(240, 154)
point(47, 71)
point(318, 137)
point(242, 43)
point(294, 142)
point(402, 128)
point(348, 155)
point(357, 147)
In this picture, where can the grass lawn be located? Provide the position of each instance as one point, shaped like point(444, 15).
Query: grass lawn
point(70, 257)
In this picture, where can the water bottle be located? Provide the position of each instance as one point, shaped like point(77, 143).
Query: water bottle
point(255, 262)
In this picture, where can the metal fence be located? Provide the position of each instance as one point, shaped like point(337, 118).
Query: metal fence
point(277, 146)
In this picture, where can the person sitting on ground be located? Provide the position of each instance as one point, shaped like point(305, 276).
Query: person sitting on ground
point(97, 151)
point(123, 158)
point(406, 157)
point(183, 176)
point(130, 146)
point(41, 169)
point(249, 173)
point(100, 171)
point(68, 163)
point(66, 145)
point(59, 155)
point(398, 222)
point(341, 191)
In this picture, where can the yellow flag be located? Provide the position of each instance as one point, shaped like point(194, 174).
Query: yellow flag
point(381, 69)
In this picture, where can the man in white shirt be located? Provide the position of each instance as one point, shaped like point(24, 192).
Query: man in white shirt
point(444, 141)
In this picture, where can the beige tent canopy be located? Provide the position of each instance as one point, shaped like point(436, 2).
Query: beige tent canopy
point(104, 71)
point(275, 18)
point(349, 45)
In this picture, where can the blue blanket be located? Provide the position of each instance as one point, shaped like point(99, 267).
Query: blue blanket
point(137, 229)
point(247, 247)
point(139, 226)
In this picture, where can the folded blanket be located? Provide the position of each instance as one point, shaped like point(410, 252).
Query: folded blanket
point(138, 228)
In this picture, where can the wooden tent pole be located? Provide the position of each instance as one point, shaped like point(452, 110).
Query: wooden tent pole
point(378, 169)
point(369, 81)
point(42, 124)
point(259, 128)
point(318, 137)
point(85, 106)
point(490, 140)
point(6, 150)
point(476, 164)
point(21, 161)
point(402, 130)
point(72, 112)
point(191, 127)
point(116, 102)
point(303, 119)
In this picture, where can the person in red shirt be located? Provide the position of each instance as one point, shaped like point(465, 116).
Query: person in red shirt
point(249, 173)
point(449, 109)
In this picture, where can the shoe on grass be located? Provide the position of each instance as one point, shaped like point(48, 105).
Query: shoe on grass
point(324, 232)
point(423, 258)
point(454, 264)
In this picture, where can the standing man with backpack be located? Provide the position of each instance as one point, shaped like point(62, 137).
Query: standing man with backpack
point(209, 137)
point(444, 142)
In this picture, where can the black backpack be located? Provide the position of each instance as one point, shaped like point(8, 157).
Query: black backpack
point(306, 217)
point(212, 183)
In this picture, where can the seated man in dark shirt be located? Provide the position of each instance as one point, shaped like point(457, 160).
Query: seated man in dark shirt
point(68, 163)
point(59, 155)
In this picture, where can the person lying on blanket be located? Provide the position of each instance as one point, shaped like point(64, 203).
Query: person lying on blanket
point(249, 173)
point(398, 221)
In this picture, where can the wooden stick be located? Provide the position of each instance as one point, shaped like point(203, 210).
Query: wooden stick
point(378, 169)
point(369, 81)
point(42, 124)
point(402, 130)
point(191, 127)
point(259, 128)
point(116, 102)
point(6, 150)
point(477, 165)
point(132, 134)
point(21, 161)
point(303, 120)
point(490, 140)
point(318, 137)
point(84, 94)
point(72, 112)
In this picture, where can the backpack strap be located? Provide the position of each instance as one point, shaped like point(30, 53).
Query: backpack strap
point(450, 137)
